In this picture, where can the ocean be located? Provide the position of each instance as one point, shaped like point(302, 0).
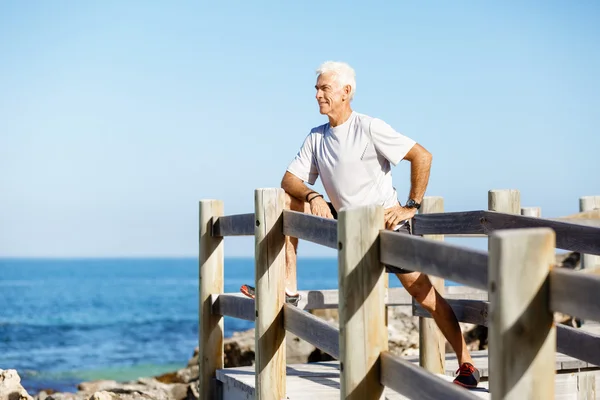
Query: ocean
point(64, 321)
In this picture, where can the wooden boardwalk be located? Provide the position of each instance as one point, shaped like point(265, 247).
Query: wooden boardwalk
point(322, 380)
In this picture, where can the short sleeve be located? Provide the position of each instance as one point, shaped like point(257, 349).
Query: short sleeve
point(303, 165)
point(391, 144)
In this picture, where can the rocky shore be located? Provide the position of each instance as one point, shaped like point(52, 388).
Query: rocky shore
point(239, 351)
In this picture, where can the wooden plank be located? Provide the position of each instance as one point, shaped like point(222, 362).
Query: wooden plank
point(531, 211)
point(579, 344)
point(449, 223)
point(210, 264)
point(575, 293)
point(432, 343)
point(270, 294)
point(588, 204)
point(308, 227)
point(416, 383)
point(312, 329)
point(398, 296)
point(469, 311)
point(234, 305)
point(458, 264)
point(362, 312)
point(234, 225)
point(569, 236)
point(522, 334)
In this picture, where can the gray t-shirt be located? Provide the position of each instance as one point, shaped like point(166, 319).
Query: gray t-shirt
point(353, 160)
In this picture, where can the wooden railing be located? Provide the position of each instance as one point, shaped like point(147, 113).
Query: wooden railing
point(518, 273)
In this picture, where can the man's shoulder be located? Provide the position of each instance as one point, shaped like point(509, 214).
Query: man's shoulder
point(319, 130)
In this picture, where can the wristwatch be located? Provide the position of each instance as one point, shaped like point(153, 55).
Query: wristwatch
point(412, 204)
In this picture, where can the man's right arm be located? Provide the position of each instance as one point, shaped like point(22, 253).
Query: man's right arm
point(295, 187)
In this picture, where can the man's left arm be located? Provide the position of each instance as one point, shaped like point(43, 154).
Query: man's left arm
point(420, 167)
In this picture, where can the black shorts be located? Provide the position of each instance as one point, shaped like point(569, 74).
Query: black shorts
point(404, 228)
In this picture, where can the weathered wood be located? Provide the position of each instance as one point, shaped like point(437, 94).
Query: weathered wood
point(522, 334)
point(504, 200)
point(586, 386)
point(362, 312)
point(432, 343)
point(234, 225)
point(577, 343)
point(312, 329)
point(416, 383)
point(234, 305)
point(575, 293)
point(469, 311)
point(210, 264)
point(452, 262)
point(449, 223)
point(531, 211)
point(589, 203)
point(398, 296)
point(270, 294)
point(569, 236)
point(308, 227)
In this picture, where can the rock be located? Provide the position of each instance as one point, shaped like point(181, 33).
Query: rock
point(10, 386)
point(103, 396)
point(97, 386)
point(69, 396)
point(193, 393)
point(184, 375)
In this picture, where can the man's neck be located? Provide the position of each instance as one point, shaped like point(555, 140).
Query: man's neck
point(339, 118)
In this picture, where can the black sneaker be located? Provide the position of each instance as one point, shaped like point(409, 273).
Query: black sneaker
point(468, 376)
point(251, 292)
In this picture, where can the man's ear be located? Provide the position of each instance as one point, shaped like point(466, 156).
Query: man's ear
point(347, 90)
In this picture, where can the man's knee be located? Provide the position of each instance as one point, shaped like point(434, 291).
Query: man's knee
point(420, 288)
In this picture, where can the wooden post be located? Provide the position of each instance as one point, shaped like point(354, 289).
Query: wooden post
point(588, 203)
point(270, 294)
point(362, 310)
point(505, 201)
point(211, 260)
point(531, 211)
point(522, 331)
point(432, 343)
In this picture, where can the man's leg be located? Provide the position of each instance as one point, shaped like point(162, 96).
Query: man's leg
point(291, 245)
point(419, 286)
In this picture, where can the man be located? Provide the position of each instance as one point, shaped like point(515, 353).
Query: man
point(352, 154)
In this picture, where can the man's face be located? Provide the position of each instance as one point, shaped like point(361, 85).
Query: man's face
point(330, 95)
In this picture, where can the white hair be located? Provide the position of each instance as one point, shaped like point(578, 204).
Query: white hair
point(344, 73)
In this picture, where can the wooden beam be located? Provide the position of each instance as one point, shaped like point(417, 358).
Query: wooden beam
point(575, 293)
point(362, 313)
point(416, 383)
point(588, 204)
point(432, 343)
point(312, 329)
point(449, 223)
point(308, 227)
point(522, 334)
point(469, 311)
point(452, 262)
point(234, 225)
point(569, 236)
point(233, 305)
point(578, 343)
point(210, 264)
point(504, 200)
point(531, 211)
point(270, 294)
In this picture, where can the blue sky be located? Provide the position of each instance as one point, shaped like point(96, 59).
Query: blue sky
point(116, 118)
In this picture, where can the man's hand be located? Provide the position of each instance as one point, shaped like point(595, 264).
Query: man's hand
point(320, 208)
point(394, 215)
